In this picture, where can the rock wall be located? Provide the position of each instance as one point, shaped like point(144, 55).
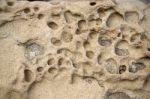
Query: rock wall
point(67, 49)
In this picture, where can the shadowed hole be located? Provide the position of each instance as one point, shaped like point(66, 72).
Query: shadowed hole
point(55, 41)
point(93, 34)
point(39, 69)
point(122, 69)
point(92, 3)
point(104, 41)
point(86, 45)
point(90, 54)
point(121, 48)
point(27, 75)
point(115, 20)
point(36, 8)
point(52, 70)
point(10, 3)
point(27, 10)
point(52, 25)
point(60, 61)
point(32, 50)
point(132, 17)
point(40, 16)
point(82, 24)
point(51, 61)
point(66, 37)
point(136, 66)
point(111, 66)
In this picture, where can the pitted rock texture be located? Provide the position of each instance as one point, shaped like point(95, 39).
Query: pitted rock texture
point(61, 49)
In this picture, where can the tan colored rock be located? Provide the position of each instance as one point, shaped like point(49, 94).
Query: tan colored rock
point(67, 49)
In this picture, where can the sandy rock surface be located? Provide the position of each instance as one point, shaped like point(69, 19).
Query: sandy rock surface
point(75, 49)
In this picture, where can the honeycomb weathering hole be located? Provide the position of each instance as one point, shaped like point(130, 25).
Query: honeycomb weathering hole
point(27, 75)
point(32, 50)
point(121, 48)
point(66, 37)
point(52, 25)
point(51, 61)
point(111, 66)
point(104, 41)
point(74, 49)
point(132, 17)
point(55, 41)
point(115, 20)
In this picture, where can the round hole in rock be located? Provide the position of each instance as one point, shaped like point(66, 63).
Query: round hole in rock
point(135, 37)
point(90, 54)
point(26, 10)
point(40, 16)
point(39, 69)
point(36, 8)
point(55, 41)
point(66, 37)
point(92, 3)
point(115, 20)
point(136, 66)
point(27, 75)
point(51, 61)
point(121, 52)
point(60, 61)
point(93, 34)
point(121, 48)
point(10, 3)
point(111, 66)
point(86, 44)
point(132, 17)
point(32, 50)
point(104, 41)
point(52, 70)
point(82, 24)
point(122, 69)
point(52, 25)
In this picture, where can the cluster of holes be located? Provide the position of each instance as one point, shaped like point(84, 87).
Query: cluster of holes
point(121, 47)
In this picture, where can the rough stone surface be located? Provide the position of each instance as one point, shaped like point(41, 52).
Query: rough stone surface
point(74, 49)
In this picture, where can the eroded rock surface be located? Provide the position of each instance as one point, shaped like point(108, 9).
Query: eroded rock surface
point(67, 49)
